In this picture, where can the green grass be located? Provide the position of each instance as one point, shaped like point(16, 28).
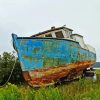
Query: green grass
point(79, 90)
point(98, 71)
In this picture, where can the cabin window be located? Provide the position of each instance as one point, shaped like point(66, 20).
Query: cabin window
point(59, 34)
point(48, 35)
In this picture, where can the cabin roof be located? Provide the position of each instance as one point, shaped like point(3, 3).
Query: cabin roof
point(50, 30)
point(77, 35)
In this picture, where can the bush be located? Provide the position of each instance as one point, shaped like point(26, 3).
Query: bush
point(7, 61)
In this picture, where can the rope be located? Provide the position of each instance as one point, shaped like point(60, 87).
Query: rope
point(12, 69)
point(9, 75)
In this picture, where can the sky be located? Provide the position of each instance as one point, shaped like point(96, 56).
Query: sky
point(27, 17)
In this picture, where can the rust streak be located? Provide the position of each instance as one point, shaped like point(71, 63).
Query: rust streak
point(52, 74)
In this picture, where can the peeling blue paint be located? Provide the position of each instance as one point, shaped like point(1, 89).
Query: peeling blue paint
point(36, 53)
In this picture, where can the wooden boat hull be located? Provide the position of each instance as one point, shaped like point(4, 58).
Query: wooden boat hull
point(44, 61)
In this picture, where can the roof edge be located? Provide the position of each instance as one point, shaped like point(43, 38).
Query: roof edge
point(52, 29)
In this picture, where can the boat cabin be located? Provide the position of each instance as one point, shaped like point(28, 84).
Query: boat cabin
point(60, 32)
point(66, 33)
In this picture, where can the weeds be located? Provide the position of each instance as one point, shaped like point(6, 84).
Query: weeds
point(83, 89)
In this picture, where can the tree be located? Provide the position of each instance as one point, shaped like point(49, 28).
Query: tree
point(17, 76)
point(7, 62)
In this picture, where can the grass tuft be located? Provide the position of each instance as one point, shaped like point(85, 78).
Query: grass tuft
point(84, 89)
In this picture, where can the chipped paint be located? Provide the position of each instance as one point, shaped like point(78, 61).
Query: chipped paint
point(53, 74)
point(46, 60)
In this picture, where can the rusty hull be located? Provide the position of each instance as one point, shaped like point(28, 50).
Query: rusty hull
point(49, 76)
point(45, 61)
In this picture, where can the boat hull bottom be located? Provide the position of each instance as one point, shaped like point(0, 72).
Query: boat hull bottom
point(51, 75)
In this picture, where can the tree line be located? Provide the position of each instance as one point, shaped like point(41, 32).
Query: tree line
point(7, 62)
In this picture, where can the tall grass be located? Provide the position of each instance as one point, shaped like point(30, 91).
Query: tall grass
point(84, 89)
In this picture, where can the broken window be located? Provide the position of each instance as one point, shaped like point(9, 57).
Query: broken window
point(59, 34)
point(48, 35)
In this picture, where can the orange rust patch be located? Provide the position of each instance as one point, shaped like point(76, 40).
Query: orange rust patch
point(53, 74)
point(26, 75)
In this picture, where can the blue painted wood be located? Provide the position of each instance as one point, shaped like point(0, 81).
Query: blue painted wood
point(35, 53)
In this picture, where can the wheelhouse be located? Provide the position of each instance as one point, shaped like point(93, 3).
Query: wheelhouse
point(64, 33)
point(60, 32)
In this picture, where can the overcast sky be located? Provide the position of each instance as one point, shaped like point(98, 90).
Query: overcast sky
point(27, 17)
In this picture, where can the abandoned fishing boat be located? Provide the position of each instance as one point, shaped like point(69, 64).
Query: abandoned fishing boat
point(52, 55)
